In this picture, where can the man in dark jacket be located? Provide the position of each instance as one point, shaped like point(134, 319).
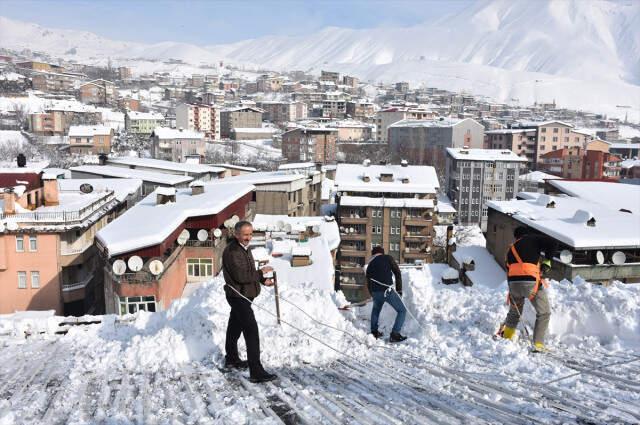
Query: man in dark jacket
point(526, 282)
point(242, 286)
point(380, 272)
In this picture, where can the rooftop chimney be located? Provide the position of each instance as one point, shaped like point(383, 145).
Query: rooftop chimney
point(22, 160)
point(9, 204)
point(404, 163)
point(197, 188)
point(50, 185)
point(165, 195)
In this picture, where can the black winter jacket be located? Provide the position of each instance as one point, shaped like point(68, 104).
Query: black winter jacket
point(239, 271)
point(382, 268)
point(530, 248)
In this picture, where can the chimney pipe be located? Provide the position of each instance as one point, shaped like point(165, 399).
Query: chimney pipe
point(9, 204)
point(51, 193)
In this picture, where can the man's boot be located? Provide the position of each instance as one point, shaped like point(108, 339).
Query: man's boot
point(396, 337)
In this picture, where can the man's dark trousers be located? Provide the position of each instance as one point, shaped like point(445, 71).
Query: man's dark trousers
point(242, 321)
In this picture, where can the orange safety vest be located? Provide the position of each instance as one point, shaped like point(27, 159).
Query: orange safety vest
point(520, 268)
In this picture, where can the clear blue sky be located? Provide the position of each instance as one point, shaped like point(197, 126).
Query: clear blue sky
point(212, 22)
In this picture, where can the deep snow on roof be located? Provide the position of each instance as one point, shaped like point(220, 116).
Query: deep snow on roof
point(89, 130)
point(160, 164)
point(135, 115)
point(567, 220)
point(120, 187)
point(328, 229)
point(538, 177)
point(447, 122)
point(422, 178)
point(612, 195)
point(128, 173)
point(444, 204)
point(174, 133)
point(367, 201)
point(266, 177)
point(147, 224)
point(484, 154)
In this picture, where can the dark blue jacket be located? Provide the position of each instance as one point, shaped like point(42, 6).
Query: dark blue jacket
point(382, 268)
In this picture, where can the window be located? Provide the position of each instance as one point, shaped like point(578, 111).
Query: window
point(377, 229)
point(544, 139)
point(22, 280)
point(394, 247)
point(20, 243)
point(555, 129)
point(199, 267)
point(543, 130)
point(33, 243)
point(555, 139)
point(35, 280)
point(132, 305)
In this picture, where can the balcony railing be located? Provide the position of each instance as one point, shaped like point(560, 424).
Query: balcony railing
point(61, 217)
point(72, 286)
point(417, 221)
point(354, 220)
point(353, 236)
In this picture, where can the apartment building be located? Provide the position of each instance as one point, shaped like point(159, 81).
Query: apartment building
point(241, 117)
point(200, 118)
point(330, 76)
point(313, 144)
point(353, 131)
point(269, 83)
point(287, 192)
point(142, 123)
point(554, 135)
point(425, 141)
point(360, 109)
point(392, 206)
point(576, 163)
point(98, 92)
point(176, 145)
point(56, 220)
point(522, 142)
point(475, 176)
point(57, 121)
point(90, 139)
point(51, 82)
point(387, 116)
point(170, 239)
point(282, 112)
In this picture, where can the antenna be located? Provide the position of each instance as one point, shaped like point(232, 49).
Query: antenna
point(135, 263)
point(183, 237)
point(119, 267)
point(203, 235)
point(156, 267)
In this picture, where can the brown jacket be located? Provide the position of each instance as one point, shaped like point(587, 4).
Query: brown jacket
point(239, 271)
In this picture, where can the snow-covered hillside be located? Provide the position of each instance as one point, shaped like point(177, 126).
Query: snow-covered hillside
point(583, 54)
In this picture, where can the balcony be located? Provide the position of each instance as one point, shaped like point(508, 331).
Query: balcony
point(353, 236)
point(353, 220)
point(352, 252)
point(416, 237)
point(79, 284)
point(415, 253)
point(352, 269)
point(143, 276)
point(417, 221)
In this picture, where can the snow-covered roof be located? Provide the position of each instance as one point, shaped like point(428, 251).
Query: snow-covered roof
point(486, 272)
point(135, 115)
point(254, 130)
point(148, 224)
point(31, 167)
point(484, 154)
point(630, 163)
point(89, 130)
point(329, 230)
point(422, 178)
point(297, 165)
point(542, 123)
point(128, 173)
point(121, 188)
point(624, 146)
point(166, 133)
point(508, 131)
point(612, 195)
point(566, 221)
point(160, 164)
point(447, 122)
point(267, 177)
point(367, 201)
point(444, 204)
point(234, 167)
point(537, 176)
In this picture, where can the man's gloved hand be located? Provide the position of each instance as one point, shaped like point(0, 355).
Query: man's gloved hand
point(399, 293)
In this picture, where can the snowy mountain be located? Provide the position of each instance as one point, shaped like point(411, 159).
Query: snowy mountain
point(583, 54)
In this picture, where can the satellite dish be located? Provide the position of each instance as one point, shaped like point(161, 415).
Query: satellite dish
point(618, 258)
point(235, 219)
point(203, 235)
point(86, 188)
point(217, 233)
point(287, 228)
point(135, 263)
point(156, 267)
point(280, 224)
point(12, 225)
point(600, 257)
point(566, 256)
point(119, 267)
point(315, 228)
point(1, 227)
point(183, 237)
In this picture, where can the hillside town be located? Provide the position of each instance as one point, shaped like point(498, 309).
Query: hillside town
point(123, 190)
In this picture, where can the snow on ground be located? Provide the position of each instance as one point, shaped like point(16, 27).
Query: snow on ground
point(12, 138)
point(162, 367)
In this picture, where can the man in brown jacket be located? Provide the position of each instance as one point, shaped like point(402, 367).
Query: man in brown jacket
point(242, 286)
